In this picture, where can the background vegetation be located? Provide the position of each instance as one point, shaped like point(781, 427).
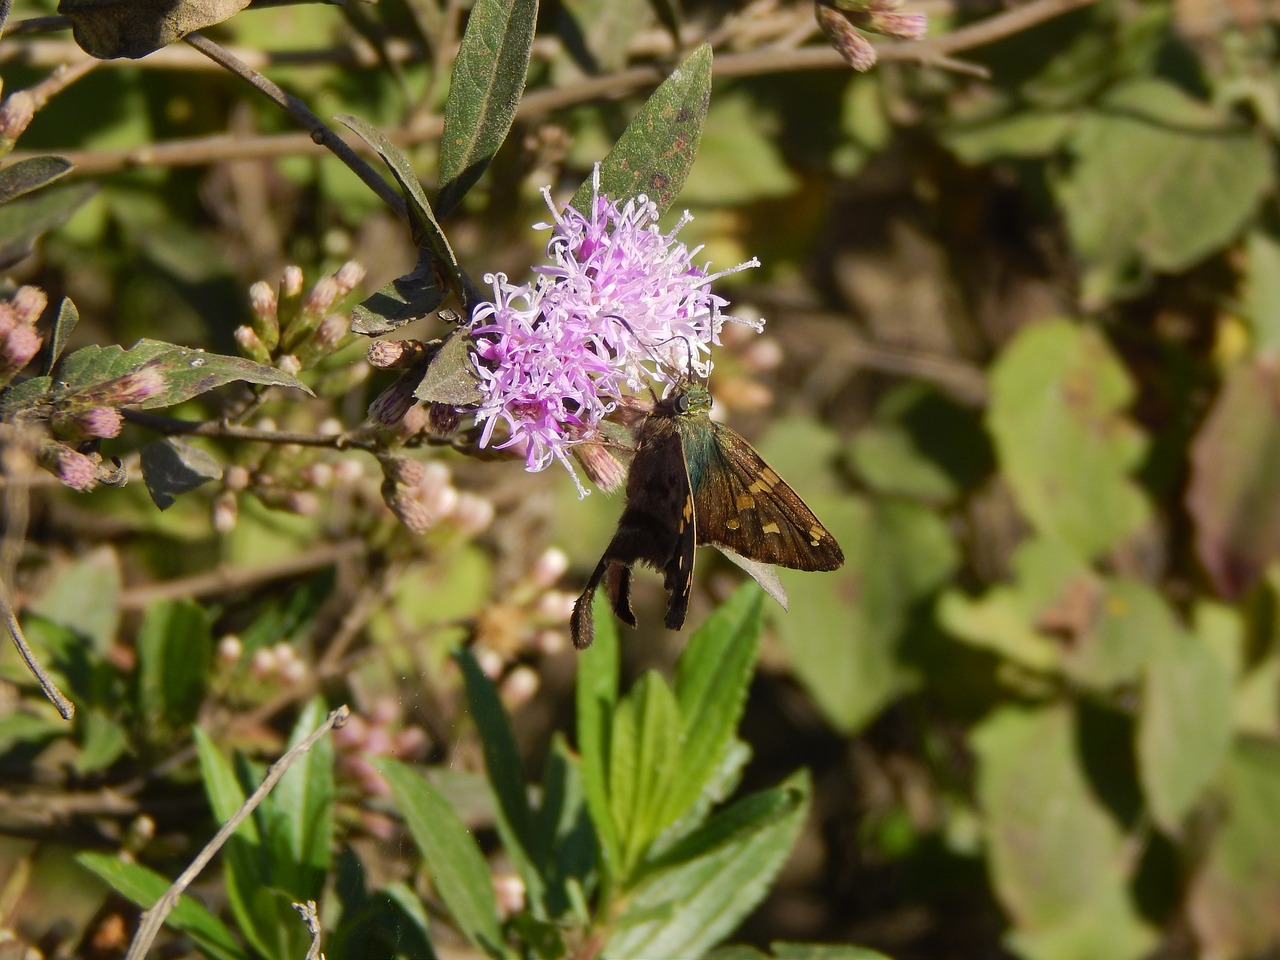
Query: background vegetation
point(1023, 308)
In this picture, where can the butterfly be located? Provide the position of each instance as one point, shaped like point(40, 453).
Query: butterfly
point(693, 482)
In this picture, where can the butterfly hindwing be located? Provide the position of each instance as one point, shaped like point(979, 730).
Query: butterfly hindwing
point(658, 527)
point(743, 504)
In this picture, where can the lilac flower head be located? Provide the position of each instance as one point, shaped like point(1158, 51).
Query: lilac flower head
point(619, 308)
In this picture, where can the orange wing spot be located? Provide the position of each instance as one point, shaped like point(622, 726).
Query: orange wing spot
point(815, 535)
point(770, 528)
point(688, 509)
point(765, 482)
point(732, 524)
point(746, 501)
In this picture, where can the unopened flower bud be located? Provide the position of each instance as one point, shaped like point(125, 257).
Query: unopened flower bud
point(555, 606)
point(508, 894)
point(317, 475)
point(489, 662)
point(289, 301)
point(413, 422)
point(390, 406)
point(95, 423)
point(74, 469)
point(251, 345)
point(133, 388)
point(472, 514)
point(598, 461)
point(224, 512)
point(302, 502)
point(404, 472)
point(395, 354)
point(291, 281)
point(903, 26)
point(549, 567)
point(230, 649)
point(347, 471)
point(290, 364)
point(410, 743)
point(293, 673)
point(236, 477)
point(348, 277)
point(28, 304)
point(320, 298)
point(15, 115)
point(844, 36)
point(18, 348)
point(550, 642)
point(263, 664)
point(266, 317)
point(519, 687)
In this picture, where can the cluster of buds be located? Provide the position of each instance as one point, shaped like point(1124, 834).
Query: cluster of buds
point(531, 617)
point(422, 496)
point(844, 20)
point(293, 330)
point(15, 115)
point(397, 405)
point(278, 664)
point(304, 478)
point(19, 342)
point(375, 735)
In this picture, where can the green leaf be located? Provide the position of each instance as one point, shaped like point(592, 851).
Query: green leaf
point(305, 797)
point(484, 92)
point(31, 174)
point(1262, 290)
point(66, 321)
point(22, 221)
point(412, 297)
point(740, 158)
point(86, 598)
point(457, 866)
point(1184, 727)
point(103, 740)
point(714, 878)
point(502, 762)
point(134, 29)
point(845, 630)
point(1057, 392)
point(1233, 893)
point(144, 887)
point(655, 152)
point(564, 829)
point(1159, 181)
point(426, 230)
point(175, 651)
point(451, 375)
point(1059, 863)
point(597, 698)
point(187, 373)
point(1234, 493)
point(1121, 631)
point(643, 764)
point(171, 467)
point(712, 677)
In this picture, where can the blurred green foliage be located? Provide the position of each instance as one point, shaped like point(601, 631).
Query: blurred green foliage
point(1021, 354)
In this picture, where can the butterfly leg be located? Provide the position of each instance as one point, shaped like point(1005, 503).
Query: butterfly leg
point(617, 584)
point(582, 626)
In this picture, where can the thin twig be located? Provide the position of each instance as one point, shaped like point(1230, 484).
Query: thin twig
point(319, 131)
point(308, 913)
point(538, 103)
point(57, 81)
point(171, 426)
point(154, 918)
point(226, 579)
point(64, 706)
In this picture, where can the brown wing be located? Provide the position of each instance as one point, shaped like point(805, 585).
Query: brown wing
point(744, 505)
point(657, 527)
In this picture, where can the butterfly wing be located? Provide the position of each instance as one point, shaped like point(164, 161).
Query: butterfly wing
point(657, 527)
point(743, 505)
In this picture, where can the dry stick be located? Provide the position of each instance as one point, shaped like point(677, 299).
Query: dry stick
point(534, 105)
point(171, 426)
point(154, 918)
point(64, 706)
point(320, 133)
point(308, 913)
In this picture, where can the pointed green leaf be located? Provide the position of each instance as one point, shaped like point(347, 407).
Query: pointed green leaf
point(451, 375)
point(31, 174)
point(66, 321)
point(144, 887)
point(712, 677)
point(305, 794)
point(426, 229)
point(23, 220)
point(457, 866)
point(597, 698)
point(714, 879)
point(186, 373)
point(502, 762)
point(643, 763)
point(172, 466)
point(484, 92)
point(175, 651)
point(655, 152)
point(412, 297)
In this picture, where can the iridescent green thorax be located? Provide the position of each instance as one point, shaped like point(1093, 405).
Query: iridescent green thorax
point(697, 433)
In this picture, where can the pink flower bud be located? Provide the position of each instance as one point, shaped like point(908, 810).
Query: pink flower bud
point(290, 364)
point(555, 606)
point(230, 649)
point(15, 114)
point(404, 472)
point(443, 418)
point(410, 743)
point(302, 502)
point(251, 345)
point(383, 712)
point(550, 642)
point(348, 277)
point(330, 332)
point(852, 45)
point(320, 298)
point(390, 406)
point(236, 477)
point(387, 354)
point(508, 893)
point(263, 302)
point(489, 662)
point(293, 673)
point(519, 687)
point(605, 470)
point(28, 304)
point(133, 388)
point(19, 347)
point(95, 423)
point(472, 514)
point(291, 281)
point(904, 26)
point(263, 664)
point(317, 475)
point(549, 567)
point(74, 469)
point(225, 511)
point(413, 422)
point(348, 471)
